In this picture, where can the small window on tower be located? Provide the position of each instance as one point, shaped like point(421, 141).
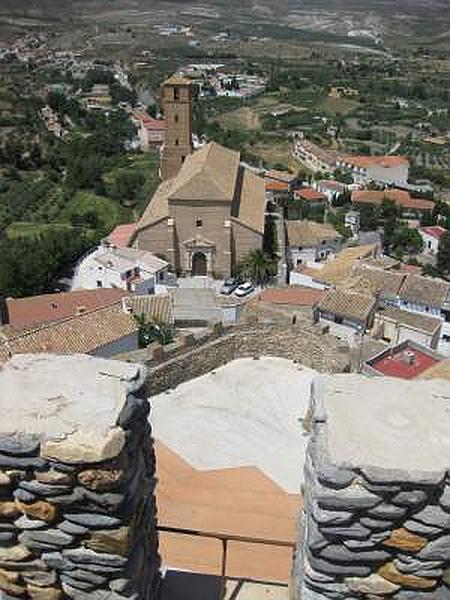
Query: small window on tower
point(176, 93)
point(177, 142)
point(183, 158)
point(176, 118)
point(199, 222)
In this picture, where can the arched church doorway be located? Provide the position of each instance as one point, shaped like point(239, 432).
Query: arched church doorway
point(199, 264)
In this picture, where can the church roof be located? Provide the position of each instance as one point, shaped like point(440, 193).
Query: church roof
point(211, 174)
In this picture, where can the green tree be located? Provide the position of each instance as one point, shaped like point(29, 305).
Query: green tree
point(443, 254)
point(259, 267)
point(128, 184)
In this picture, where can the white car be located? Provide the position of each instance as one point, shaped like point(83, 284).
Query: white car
point(244, 289)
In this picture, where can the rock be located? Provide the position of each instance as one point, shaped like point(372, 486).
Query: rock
point(77, 594)
point(316, 541)
point(77, 583)
point(55, 560)
point(411, 498)
point(328, 517)
point(375, 524)
point(54, 477)
point(122, 585)
point(77, 496)
point(40, 578)
point(72, 528)
point(9, 510)
point(93, 520)
point(334, 477)
point(88, 576)
point(5, 480)
point(23, 566)
point(341, 554)
point(23, 495)
point(25, 523)
point(39, 510)
point(115, 541)
point(329, 568)
point(409, 564)
point(109, 501)
point(135, 409)
point(391, 573)
point(7, 536)
point(49, 537)
point(44, 489)
point(9, 583)
point(444, 500)
point(438, 549)
point(17, 444)
point(387, 512)
point(446, 576)
point(14, 554)
point(85, 555)
point(16, 462)
point(434, 516)
point(354, 497)
point(87, 447)
point(378, 475)
point(98, 480)
point(374, 584)
point(43, 593)
point(402, 539)
point(355, 531)
point(421, 528)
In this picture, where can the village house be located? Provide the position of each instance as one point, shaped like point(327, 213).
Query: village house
point(409, 206)
point(129, 269)
point(23, 313)
point(309, 242)
point(314, 157)
point(209, 211)
point(333, 190)
point(431, 237)
point(389, 170)
point(121, 235)
point(406, 360)
point(311, 196)
point(367, 279)
point(103, 332)
point(348, 308)
point(352, 221)
point(150, 131)
point(395, 326)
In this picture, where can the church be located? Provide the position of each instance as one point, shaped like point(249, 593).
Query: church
point(208, 212)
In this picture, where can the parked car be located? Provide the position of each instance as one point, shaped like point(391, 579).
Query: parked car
point(229, 285)
point(244, 289)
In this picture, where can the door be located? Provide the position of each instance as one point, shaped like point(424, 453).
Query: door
point(199, 264)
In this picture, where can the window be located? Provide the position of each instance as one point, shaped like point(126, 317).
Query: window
point(176, 93)
point(199, 222)
point(176, 118)
point(177, 142)
point(183, 158)
point(99, 283)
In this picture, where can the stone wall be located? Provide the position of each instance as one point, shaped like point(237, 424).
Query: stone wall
point(372, 532)
point(306, 345)
point(77, 507)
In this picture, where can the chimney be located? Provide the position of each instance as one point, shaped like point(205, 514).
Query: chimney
point(4, 313)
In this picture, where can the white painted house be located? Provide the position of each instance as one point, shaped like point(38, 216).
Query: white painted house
point(123, 268)
point(389, 170)
point(431, 237)
point(309, 242)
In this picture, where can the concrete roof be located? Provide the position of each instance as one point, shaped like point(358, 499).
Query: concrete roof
point(388, 423)
point(244, 414)
point(59, 395)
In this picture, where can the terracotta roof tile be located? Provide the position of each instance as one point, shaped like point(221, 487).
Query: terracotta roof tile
point(293, 296)
point(154, 307)
point(35, 310)
point(434, 231)
point(310, 195)
point(348, 305)
point(416, 321)
point(425, 290)
point(121, 235)
point(310, 233)
point(371, 280)
point(80, 334)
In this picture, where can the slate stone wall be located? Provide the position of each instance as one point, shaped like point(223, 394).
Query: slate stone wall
point(304, 344)
point(368, 532)
point(78, 520)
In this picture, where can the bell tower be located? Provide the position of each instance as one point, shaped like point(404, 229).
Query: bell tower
point(177, 106)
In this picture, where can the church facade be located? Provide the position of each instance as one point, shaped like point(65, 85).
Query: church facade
point(208, 212)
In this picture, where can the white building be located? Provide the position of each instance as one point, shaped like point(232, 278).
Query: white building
point(310, 242)
point(124, 268)
point(352, 220)
point(431, 237)
point(390, 170)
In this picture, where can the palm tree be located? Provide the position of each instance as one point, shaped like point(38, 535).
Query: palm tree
point(258, 267)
